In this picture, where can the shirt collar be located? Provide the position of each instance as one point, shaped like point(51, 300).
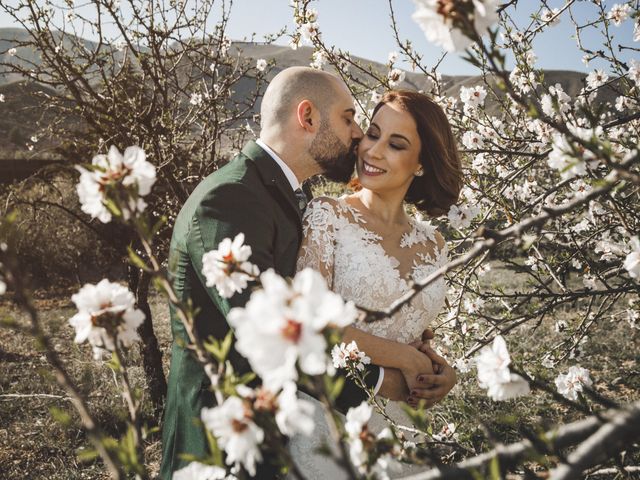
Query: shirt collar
point(291, 177)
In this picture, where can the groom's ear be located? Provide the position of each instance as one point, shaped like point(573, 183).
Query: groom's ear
point(306, 114)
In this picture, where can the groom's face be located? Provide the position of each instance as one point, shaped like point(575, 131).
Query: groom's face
point(336, 144)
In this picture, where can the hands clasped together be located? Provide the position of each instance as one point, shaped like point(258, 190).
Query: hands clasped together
point(428, 376)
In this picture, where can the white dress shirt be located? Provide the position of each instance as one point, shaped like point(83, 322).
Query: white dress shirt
point(293, 180)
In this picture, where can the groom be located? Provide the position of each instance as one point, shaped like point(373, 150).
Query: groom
point(307, 128)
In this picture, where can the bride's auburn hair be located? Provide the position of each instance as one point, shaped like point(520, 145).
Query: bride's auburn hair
point(439, 187)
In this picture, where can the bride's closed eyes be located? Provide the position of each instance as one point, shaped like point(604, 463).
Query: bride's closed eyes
point(373, 134)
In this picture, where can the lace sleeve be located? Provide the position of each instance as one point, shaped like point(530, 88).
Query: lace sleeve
point(318, 241)
point(442, 255)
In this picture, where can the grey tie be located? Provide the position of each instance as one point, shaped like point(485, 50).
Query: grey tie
point(302, 199)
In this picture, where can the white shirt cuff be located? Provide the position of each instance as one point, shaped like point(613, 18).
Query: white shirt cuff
point(380, 380)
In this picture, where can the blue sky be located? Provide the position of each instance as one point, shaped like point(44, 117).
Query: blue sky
point(362, 27)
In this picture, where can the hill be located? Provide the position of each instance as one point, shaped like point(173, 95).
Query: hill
point(24, 109)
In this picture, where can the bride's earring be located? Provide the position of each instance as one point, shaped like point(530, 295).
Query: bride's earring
point(419, 173)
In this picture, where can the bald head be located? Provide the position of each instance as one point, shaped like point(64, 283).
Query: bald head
point(293, 85)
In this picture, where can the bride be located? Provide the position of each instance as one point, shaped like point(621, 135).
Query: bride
point(369, 250)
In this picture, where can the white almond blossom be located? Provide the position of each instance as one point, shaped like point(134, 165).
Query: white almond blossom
point(623, 103)
point(550, 16)
point(461, 216)
point(294, 415)
point(196, 99)
point(563, 158)
point(473, 305)
point(580, 188)
point(636, 31)
point(472, 140)
point(590, 282)
point(312, 14)
point(481, 163)
point(555, 101)
point(129, 170)
point(387, 462)
point(320, 59)
point(632, 260)
point(200, 471)
point(522, 81)
point(462, 365)
point(232, 425)
point(227, 268)
point(473, 96)
point(447, 25)
point(283, 324)
point(392, 57)
point(261, 64)
point(634, 71)
point(357, 419)
point(494, 374)
point(344, 355)
point(308, 31)
point(1, 97)
point(12, 52)
point(619, 13)
point(448, 431)
point(596, 79)
point(3, 287)
point(573, 382)
point(395, 77)
point(106, 317)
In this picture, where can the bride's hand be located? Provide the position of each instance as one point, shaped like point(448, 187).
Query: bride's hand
point(433, 388)
point(414, 364)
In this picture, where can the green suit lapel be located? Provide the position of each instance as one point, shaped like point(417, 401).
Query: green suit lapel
point(273, 177)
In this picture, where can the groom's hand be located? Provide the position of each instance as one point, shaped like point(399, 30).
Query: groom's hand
point(436, 386)
point(424, 343)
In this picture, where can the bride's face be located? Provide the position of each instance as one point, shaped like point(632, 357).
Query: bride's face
point(388, 154)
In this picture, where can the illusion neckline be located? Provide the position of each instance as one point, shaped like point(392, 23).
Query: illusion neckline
point(357, 215)
point(393, 261)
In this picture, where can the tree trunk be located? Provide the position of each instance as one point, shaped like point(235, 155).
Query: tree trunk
point(150, 351)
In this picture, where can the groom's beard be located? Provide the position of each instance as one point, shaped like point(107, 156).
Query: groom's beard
point(336, 160)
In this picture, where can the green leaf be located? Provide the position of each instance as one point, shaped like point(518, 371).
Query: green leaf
point(494, 469)
point(8, 321)
point(158, 225)
point(86, 454)
point(225, 346)
point(112, 207)
point(333, 386)
point(60, 416)
point(247, 378)
point(114, 363)
point(136, 260)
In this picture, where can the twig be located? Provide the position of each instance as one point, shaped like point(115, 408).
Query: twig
point(621, 430)
point(620, 424)
point(34, 395)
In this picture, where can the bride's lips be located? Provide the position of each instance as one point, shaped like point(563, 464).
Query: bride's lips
point(370, 170)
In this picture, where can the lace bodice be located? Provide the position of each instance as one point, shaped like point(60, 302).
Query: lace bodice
point(356, 265)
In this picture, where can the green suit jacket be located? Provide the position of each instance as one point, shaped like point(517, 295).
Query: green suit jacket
point(250, 195)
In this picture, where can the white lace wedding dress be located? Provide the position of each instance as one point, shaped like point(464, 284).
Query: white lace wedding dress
point(371, 271)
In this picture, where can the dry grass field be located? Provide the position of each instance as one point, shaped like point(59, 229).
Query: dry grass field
point(35, 444)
